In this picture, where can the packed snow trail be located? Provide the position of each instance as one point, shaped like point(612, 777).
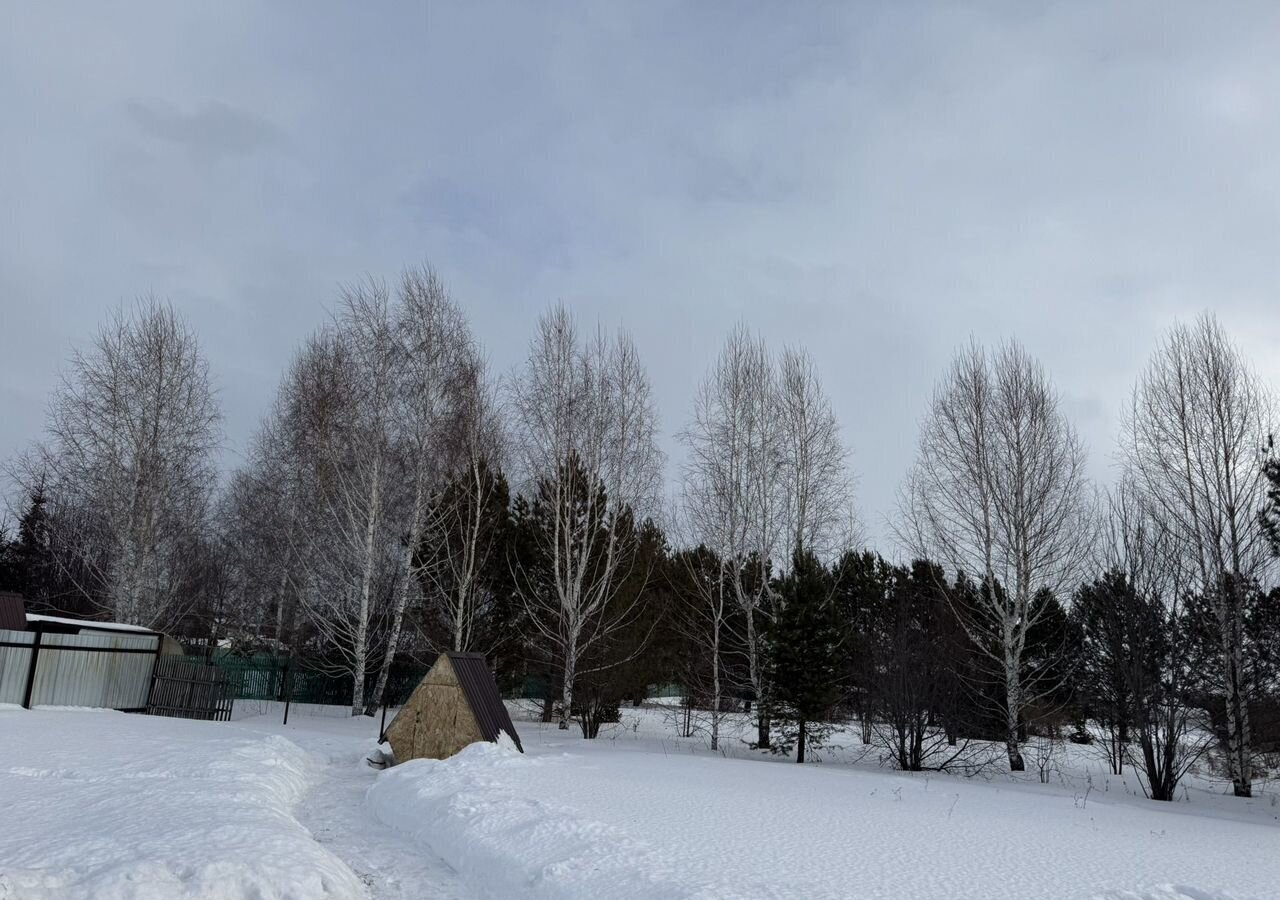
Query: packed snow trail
point(390, 864)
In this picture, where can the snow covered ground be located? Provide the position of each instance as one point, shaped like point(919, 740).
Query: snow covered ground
point(639, 813)
point(106, 805)
point(117, 806)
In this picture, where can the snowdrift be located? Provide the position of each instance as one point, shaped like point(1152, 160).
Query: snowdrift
point(470, 811)
point(116, 807)
point(602, 820)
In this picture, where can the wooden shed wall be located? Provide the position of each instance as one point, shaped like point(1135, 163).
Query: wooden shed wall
point(437, 720)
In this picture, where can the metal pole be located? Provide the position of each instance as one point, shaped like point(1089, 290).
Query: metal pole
point(288, 689)
point(155, 670)
point(31, 670)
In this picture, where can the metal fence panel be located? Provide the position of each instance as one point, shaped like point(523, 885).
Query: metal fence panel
point(111, 671)
point(15, 664)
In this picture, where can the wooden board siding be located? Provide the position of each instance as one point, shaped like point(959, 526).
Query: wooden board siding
point(437, 721)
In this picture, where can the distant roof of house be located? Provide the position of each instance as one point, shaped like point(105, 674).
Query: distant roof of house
point(13, 615)
point(482, 694)
point(90, 624)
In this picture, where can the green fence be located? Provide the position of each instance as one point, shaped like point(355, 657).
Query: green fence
point(267, 677)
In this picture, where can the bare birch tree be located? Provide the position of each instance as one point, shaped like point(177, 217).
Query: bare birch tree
point(586, 430)
point(703, 615)
point(339, 396)
point(128, 462)
point(465, 522)
point(1193, 443)
point(1152, 653)
point(816, 485)
point(431, 355)
point(734, 485)
point(256, 530)
point(998, 493)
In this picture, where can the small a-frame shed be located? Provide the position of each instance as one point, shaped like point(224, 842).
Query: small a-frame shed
point(457, 703)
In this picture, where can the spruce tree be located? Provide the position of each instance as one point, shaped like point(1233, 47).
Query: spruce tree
point(29, 566)
point(1115, 653)
point(804, 644)
point(1271, 510)
point(8, 562)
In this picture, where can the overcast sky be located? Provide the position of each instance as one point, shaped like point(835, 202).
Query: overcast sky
point(873, 181)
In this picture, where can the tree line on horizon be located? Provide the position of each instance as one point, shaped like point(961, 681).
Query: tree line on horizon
point(399, 499)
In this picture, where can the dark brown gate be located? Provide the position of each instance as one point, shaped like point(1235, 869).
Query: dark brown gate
point(190, 690)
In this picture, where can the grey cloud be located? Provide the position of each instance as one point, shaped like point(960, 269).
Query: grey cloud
point(875, 181)
point(213, 128)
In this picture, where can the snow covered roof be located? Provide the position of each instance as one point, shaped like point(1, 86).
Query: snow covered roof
point(88, 624)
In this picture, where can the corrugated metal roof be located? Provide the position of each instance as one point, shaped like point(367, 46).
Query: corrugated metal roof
point(482, 694)
point(13, 611)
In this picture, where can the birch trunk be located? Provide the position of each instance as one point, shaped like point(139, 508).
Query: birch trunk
point(1013, 708)
point(402, 598)
point(715, 685)
point(566, 689)
point(1238, 731)
point(361, 649)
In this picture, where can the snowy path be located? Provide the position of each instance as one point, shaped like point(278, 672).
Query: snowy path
point(390, 864)
point(109, 806)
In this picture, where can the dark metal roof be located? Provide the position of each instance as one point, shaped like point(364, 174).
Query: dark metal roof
point(13, 611)
point(482, 694)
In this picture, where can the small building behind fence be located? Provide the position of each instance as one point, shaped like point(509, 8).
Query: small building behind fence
point(457, 703)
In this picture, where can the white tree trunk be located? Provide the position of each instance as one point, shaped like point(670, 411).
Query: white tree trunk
point(402, 597)
point(566, 689)
point(715, 684)
point(361, 648)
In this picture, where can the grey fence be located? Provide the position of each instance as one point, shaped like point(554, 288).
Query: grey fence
point(111, 671)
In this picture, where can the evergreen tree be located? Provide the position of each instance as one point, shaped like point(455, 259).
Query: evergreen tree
point(574, 640)
point(805, 651)
point(1113, 623)
point(1052, 652)
point(1259, 670)
point(1271, 510)
point(624, 663)
point(863, 582)
point(27, 566)
point(463, 568)
point(8, 564)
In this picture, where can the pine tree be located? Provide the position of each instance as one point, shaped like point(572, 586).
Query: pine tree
point(1111, 618)
point(804, 646)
